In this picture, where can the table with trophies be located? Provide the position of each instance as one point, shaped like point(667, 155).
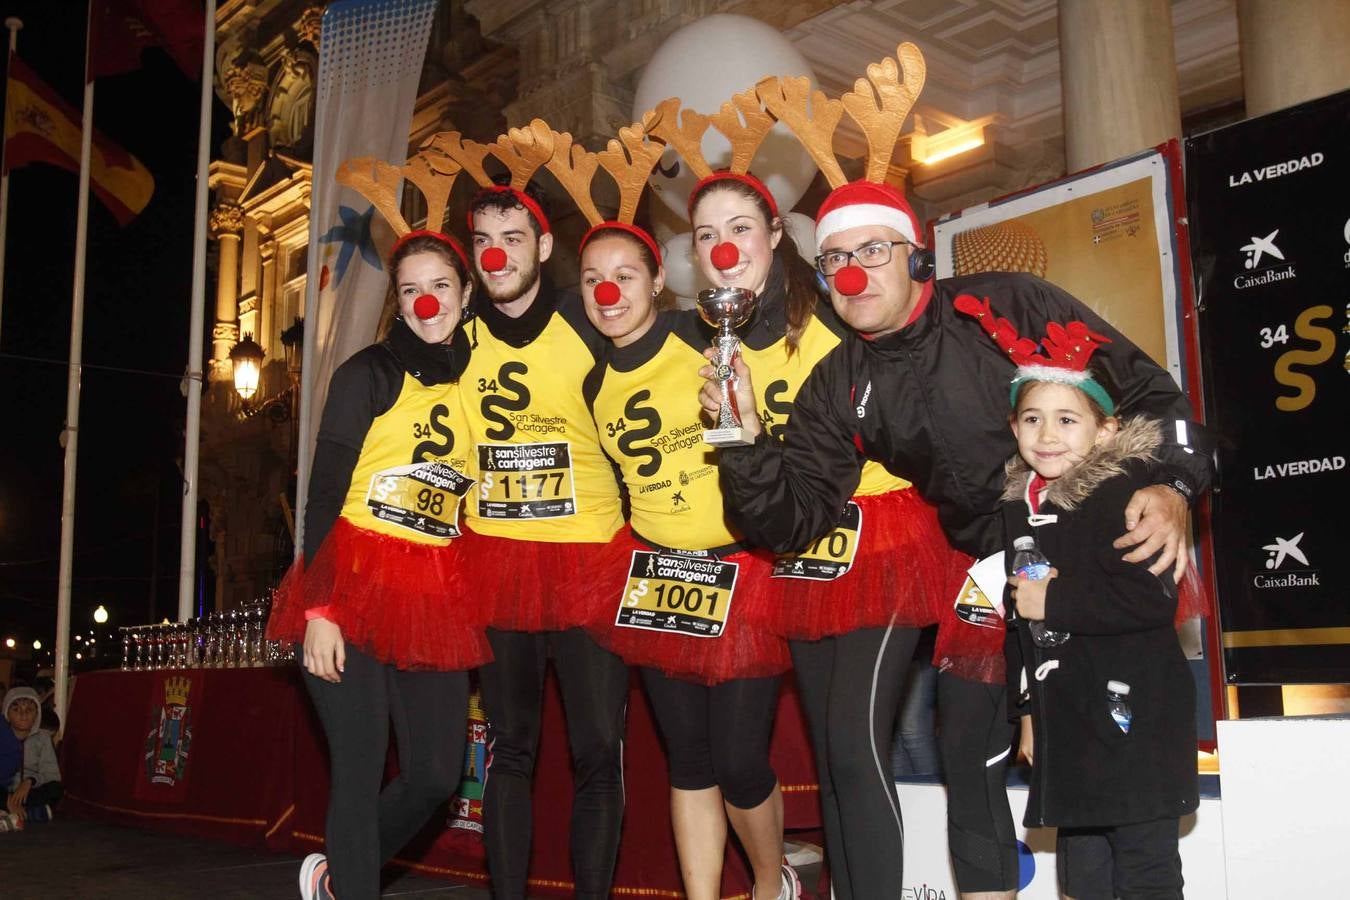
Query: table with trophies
point(206, 730)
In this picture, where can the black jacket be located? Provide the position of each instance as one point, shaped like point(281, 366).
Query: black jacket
point(930, 402)
point(1119, 616)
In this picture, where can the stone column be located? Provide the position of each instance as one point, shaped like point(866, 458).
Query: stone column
point(227, 221)
point(1292, 52)
point(1119, 78)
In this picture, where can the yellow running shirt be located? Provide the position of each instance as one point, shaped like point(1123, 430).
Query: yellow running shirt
point(413, 466)
point(645, 401)
point(541, 474)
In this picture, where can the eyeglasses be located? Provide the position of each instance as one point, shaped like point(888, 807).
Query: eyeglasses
point(869, 256)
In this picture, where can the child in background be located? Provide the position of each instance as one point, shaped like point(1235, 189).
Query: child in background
point(35, 787)
point(1112, 700)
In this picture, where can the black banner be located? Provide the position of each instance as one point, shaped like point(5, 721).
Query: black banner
point(1269, 206)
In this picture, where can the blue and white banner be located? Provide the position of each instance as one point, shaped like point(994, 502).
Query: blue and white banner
point(371, 54)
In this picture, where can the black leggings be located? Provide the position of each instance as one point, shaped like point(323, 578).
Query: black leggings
point(975, 737)
point(594, 686)
point(850, 687)
point(367, 825)
point(717, 736)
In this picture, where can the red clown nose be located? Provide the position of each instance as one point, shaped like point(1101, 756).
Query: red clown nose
point(725, 255)
point(606, 293)
point(850, 281)
point(493, 259)
point(426, 306)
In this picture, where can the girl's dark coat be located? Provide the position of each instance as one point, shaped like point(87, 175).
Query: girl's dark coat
point(1087, 772)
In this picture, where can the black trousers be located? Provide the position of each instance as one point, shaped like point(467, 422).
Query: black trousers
point(717, 735)
point(1132, 862)
point(594, 686)
point(850, 686)
point(975, 737)
point(367, 824)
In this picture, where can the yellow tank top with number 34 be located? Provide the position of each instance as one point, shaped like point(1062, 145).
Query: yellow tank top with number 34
point(650, 424)
point(541, 474)
point(413, 469)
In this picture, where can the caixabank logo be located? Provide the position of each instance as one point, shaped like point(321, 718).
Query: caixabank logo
point(1282, 561)
point(1263, 263)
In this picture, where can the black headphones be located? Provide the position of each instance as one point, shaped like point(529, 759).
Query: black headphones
point(922, 263)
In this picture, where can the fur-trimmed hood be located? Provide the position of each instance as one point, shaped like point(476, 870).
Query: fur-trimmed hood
point(1137, 438)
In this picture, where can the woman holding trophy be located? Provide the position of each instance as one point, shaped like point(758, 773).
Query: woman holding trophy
point(692, 594)
point(853, 602)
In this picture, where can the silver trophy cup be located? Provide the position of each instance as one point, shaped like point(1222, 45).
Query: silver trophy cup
point(726, 308)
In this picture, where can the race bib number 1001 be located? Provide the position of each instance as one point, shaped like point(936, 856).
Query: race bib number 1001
point(525, 481)
point(830, 556)
point(681, 594)
point(423, 497)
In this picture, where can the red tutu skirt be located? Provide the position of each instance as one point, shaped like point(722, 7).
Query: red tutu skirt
point(973, 652)
point(745, 649)
point(400, 601)
point(899, 573)
point(531, 585)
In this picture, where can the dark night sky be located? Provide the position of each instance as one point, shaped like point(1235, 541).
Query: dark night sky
point(137, 294)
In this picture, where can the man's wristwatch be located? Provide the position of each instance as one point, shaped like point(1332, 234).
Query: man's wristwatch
point(1180, 486)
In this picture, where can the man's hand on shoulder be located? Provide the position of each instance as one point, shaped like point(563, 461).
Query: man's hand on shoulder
point(1157, 519)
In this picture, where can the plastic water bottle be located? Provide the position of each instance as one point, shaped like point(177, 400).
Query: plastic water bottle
point(1118, 703)
point(1030, 563)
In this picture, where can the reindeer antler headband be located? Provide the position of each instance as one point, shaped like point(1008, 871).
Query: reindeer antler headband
point(1068, 350)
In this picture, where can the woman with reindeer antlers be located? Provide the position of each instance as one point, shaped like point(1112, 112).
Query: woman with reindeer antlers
point(369, 603)
point(692, 597)
point(854, 601)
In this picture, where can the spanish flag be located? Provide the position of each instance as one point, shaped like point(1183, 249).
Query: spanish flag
point(41, 127)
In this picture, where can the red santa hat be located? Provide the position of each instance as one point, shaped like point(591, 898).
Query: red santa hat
point(865, 203)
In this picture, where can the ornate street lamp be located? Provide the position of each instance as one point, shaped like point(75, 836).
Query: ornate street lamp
point(247, 357)
point(293, 340)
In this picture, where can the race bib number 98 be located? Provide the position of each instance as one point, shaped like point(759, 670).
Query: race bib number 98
point(830, 556)
point(526, 481)
point(681, 594)
point(423, 497)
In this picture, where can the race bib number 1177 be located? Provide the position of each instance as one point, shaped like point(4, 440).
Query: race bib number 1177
point(525, 481)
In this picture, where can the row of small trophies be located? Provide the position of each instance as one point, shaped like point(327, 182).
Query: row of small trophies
point(232, 639)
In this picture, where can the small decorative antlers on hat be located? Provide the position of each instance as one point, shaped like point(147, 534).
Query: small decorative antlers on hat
point(1067, 348)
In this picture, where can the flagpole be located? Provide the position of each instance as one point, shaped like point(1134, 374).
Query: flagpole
point(13, 23)
point(187, 558)
point(71, 434)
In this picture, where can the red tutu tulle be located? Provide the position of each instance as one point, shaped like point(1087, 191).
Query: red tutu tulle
point(1192, 601)
point(745, 649)
point(401, 601)
point(899, 574)
point(531, 585)
point(973, 652)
